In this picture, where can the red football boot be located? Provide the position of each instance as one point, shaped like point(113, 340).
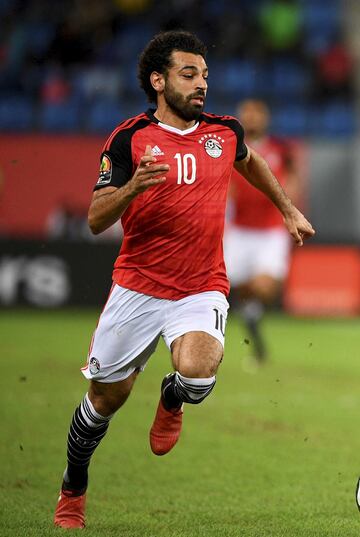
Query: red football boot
point(70, 511)
point(165, 430)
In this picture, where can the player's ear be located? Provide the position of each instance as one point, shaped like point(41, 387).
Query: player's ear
point(157, 81)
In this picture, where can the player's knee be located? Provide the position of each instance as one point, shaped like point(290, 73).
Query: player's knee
point(265, 288)
point(193, 390)
point(267, 293)
point(199, 368)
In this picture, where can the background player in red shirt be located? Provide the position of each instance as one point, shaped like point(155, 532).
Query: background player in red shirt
point(165, 173)
point(257, 244)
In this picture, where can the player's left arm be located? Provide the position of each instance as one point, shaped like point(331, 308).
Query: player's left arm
point(256, 170)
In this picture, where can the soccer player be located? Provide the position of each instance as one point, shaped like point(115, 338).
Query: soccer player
point(257, 244)
point(165, 173)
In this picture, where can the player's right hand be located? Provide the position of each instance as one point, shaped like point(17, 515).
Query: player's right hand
point(148, 173)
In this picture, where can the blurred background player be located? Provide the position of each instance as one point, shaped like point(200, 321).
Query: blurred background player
point(257, 246)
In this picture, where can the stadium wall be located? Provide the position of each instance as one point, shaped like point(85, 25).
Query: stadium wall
point(323, 281)
point(54, 274)
point(42, 173)
point(334, 191)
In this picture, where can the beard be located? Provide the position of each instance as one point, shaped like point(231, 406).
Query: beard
point(182, 105)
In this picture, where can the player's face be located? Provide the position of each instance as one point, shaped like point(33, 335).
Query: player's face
point(254, 117)
point(185, 85)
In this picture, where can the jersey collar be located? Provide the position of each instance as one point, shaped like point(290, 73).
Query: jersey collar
point(150, 113)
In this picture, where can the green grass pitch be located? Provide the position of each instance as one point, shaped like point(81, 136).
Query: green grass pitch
point(271, 454)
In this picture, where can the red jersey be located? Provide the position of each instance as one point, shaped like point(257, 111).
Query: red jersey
point(173, 232)
point(251, 207)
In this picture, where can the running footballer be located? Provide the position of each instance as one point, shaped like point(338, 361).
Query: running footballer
point(165, 173)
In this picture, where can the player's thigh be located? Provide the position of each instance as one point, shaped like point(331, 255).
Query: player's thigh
point(195, 333)
point(125, 337)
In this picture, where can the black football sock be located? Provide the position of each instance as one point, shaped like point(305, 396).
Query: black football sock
point(169, 394)
point(177, 389)
point(252, 312)
point(87, 429)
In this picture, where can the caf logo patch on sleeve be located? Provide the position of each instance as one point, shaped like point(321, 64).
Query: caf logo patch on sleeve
point(105, 170)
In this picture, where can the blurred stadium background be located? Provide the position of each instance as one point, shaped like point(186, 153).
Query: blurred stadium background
point(269, 454)
point(68, 76)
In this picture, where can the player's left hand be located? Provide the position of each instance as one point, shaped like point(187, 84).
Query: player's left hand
point(299, 228)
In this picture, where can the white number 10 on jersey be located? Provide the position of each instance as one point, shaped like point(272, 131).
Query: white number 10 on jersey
point(185, 163)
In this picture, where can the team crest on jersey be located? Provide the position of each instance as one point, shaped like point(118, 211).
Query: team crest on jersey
point(212, 145)
point(105, 170)
point(94, 365)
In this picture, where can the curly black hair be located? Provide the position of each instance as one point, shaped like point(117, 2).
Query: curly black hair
point(157, 56)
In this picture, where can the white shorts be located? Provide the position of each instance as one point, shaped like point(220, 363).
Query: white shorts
point(249, 253)
point(131, 324)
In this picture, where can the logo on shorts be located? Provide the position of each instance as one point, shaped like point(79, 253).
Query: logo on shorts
point(212, 145)
point(94, 365)
point(105, 170)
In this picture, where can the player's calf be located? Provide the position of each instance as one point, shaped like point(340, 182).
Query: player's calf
point(87, 429)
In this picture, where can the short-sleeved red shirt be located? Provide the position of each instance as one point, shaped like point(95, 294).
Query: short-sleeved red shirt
point(251, 208)
point(173, 232)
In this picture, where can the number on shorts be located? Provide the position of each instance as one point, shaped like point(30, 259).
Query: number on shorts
point(219, 321)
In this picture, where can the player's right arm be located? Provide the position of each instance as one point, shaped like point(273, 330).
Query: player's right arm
point(109, 203)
